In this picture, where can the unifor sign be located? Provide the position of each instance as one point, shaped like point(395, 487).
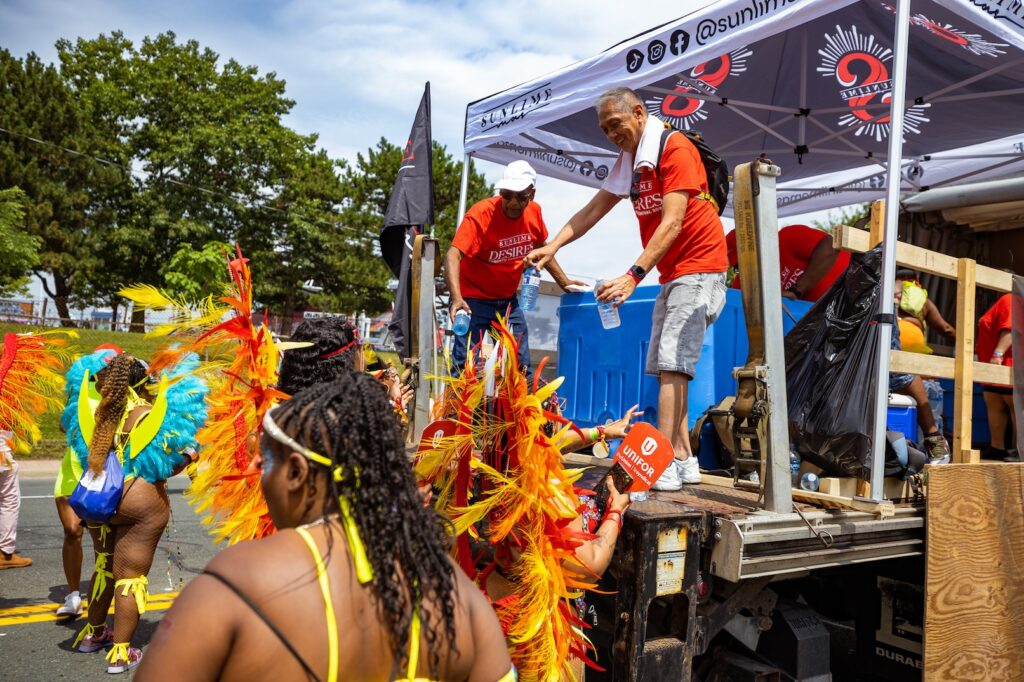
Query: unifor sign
point(516, 108)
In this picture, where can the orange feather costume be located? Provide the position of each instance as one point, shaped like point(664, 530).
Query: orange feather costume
point(225, 486)
point(525, 500)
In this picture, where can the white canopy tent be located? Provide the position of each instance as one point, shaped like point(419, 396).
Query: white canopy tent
point(807, 83)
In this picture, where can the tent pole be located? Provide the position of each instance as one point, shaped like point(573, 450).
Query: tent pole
point(888, 274)
point(463, 190)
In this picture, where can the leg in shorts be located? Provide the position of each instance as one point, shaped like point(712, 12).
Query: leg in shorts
point(683, 311)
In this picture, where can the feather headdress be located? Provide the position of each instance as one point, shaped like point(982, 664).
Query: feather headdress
point(523, 503)
point(31, 376)
point(243, 374)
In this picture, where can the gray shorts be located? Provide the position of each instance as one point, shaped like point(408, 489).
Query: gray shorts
point(683, 311)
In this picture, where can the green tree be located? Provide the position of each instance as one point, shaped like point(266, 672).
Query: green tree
point(194, 273)
point(18, 247)
point(849, 215)
point(67, 194)
point(369, 181)
point(206, 140)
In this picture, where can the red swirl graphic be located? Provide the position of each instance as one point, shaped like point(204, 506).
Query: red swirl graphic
point(942, 32)
point(877, 73)
point(689, 105)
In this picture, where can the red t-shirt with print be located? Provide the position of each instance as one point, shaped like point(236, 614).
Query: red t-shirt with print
point(493, 246)
point(700, 246)
point(796, 242)
point(995, 321)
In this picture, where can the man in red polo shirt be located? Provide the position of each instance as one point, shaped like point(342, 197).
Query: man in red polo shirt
point(994, 344)
point(808, 262)
point(484, 265)
point(681, 235)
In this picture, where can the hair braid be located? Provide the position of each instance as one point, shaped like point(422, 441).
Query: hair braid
point(117, 380)
point(350, 421)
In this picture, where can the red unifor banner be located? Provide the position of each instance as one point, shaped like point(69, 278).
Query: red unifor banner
point(434, 432)
point(644, 455)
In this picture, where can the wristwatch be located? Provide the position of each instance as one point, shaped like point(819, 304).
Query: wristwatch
point(637, 273)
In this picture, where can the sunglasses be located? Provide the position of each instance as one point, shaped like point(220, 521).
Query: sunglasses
point(523, 196)
point(634, 188)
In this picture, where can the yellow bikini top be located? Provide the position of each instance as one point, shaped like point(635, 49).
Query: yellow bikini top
point(144, 431)
point(332, 623)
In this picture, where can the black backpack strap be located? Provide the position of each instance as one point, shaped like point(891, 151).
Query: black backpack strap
point(661, 150)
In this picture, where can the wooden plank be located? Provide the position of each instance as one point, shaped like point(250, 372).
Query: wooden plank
point(895, 489)
point(938, 366)
point(910, 256)
point(963, 375)
point(974, 596)
point(877, 224)
point(819, 499)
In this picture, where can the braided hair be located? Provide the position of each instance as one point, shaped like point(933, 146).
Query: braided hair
point(350, 422)
point(122, 374)
point(304, 367)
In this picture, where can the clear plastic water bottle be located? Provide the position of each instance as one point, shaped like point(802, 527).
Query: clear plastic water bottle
point(809, 481)
point(460, 326)
point(530, 289)
point(794, 466)
point(609, 313)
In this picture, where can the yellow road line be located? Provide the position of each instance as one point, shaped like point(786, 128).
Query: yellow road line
point(41, 613)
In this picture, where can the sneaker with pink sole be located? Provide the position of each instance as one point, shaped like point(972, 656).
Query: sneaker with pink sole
point(100, 639)
point(121, 665)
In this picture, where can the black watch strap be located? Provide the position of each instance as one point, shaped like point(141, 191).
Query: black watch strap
point(638, 271)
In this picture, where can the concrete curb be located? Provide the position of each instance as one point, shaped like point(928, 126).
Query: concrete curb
point(38, 468)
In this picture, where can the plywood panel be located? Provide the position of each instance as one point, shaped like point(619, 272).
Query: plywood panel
point(974, 586)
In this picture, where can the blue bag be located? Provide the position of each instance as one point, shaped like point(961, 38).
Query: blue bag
point(96, 498)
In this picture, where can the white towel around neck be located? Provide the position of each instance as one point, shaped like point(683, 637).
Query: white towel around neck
point(621, 175)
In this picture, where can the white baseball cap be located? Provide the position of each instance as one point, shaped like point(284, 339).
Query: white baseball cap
point(518, 176)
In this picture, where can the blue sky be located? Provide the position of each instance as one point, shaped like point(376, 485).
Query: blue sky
point(356, 70)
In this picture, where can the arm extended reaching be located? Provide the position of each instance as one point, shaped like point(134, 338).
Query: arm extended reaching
point(578, 225)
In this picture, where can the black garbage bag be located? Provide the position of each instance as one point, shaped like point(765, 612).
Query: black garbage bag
point(831, 363)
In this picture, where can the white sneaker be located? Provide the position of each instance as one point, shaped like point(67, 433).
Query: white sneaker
point(689, 469)
point(72, 606)
point(669, 480)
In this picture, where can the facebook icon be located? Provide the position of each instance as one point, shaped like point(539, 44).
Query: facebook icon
point(679, 41)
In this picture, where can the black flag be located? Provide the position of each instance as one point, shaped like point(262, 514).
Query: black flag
point(411, 205)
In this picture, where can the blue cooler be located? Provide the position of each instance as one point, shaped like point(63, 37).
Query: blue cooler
point(902, 415)
point(604, 368)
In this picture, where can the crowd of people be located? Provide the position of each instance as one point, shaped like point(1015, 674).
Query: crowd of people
point(345, 566)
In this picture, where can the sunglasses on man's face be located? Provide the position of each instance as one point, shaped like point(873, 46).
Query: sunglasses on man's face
point(522, 197)
point(634, 188)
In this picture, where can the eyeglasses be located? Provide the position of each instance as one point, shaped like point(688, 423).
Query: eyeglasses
point(634, 188)
point(522, 197)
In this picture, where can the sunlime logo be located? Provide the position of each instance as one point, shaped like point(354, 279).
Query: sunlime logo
point(681, 109)
point(436, 440)
point(858, 62)
point(972, 42)
point(516, 108)
point(648, 447)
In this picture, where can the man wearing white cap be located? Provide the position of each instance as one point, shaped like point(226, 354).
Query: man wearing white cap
point(484, 264)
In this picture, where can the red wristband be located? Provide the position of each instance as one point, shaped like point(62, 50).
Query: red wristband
point(608, 515)
point(632, 275)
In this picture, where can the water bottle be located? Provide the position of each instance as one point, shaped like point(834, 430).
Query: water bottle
point(461, 324)
point(794, 466)
point(530, 289)
point(809, 481)
point(609, 313)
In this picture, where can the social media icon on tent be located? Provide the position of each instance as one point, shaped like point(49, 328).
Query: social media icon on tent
point(655, 51)
point(678, 42)
point(634, 60)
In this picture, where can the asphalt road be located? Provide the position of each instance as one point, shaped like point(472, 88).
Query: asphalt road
point(33, 644)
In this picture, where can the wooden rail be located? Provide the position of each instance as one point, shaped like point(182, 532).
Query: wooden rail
point(963, 369)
